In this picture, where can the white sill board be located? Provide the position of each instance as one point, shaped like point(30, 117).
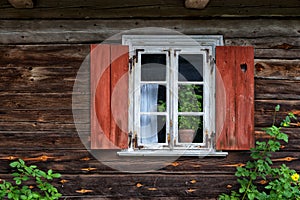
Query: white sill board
point(158, 153)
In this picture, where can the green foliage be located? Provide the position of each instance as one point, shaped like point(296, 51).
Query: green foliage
point(281, 182)
point(42, 189)
point(161, 107)
point(190, 100)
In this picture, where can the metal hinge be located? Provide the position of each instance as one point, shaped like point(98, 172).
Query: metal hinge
point(129, 139)
point(207, 54)
point(132, 62)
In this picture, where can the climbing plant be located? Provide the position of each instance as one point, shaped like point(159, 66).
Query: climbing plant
point(29, 183)
point(280, 182)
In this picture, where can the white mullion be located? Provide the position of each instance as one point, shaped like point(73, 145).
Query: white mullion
point(154, 82)
point(175, 97)
point(168, 102)
point(154, 113)
point(192, 113)
point(191, 82)
point(138, 98)
point(206, 101)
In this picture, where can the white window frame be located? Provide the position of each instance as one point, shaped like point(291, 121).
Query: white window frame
point(173, 45)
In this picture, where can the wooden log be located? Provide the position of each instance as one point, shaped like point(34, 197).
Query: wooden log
point(43, 55)
point(46, 139)
point(44, 101)
point(55, 139)
point(268, 106)
point(41, 126)
point(277, 89)
point(277, 69)
point(66, 116)
point(267, 33)
point(164, 8)
point(142, 186)
point(76, 161)
point(42, 116)
point(277, 53)
point(58, 101)
point(53, 69)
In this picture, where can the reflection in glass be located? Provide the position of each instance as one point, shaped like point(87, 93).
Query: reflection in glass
point(153, 67)
point(190, 67)
point(153, 99)
point(190, 98)
point(190, 129)
point(153, 129)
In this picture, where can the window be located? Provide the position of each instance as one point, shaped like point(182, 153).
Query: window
point(172, 91)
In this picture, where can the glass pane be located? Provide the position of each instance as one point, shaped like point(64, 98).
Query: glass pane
point(153, 129)
point(153, 98)
point(190, 98)
point(153, 67)
point(190, 129)
point(190, 67)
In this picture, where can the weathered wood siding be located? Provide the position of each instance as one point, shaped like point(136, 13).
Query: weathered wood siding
point(41, 50)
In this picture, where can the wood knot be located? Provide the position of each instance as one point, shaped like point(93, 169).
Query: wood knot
point(259, 67)
point(82, 191)
point(284, 46)
point(196, 4)
point(21, 3)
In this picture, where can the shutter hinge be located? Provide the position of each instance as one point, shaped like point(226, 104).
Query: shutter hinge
point(207, 55)
point(212, 60)
point(129, 139)
point(212, 63)
point(134, 59)
point(134, 140)
point(176, 50)
point(212, 140)
point(169, 52)
point(132, 62)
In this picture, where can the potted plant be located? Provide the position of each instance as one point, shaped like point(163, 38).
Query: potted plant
point(190, 100)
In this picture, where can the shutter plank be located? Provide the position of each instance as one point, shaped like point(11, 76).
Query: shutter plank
point(100, 96)
point(109, 96)
point(234, 98)
point(119, 95)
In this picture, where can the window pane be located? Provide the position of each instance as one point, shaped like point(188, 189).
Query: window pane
point(190, 129)
point(190, 67)
point(190, 98)
point(153, 67)
point(153, 98)
point(153, 129)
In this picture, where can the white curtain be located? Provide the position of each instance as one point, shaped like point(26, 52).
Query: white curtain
point(149, 122)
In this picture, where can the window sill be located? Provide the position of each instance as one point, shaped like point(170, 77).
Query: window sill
point(197, 153)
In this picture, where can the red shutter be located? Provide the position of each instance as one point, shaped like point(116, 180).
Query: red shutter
point(234, 98)
point(109, 96)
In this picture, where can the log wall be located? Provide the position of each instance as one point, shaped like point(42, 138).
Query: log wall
point(41, 50)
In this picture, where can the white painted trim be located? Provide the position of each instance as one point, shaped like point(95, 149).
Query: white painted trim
point(162, 153)
point(175, 45)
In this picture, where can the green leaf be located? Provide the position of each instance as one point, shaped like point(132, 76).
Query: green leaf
point(14, 164)
point(277, 108)
point(21, 162)
point(18, 181)
point(15, 174)
point(50, 171)
point(251, 196)
point(56, 175)
point(241, 190)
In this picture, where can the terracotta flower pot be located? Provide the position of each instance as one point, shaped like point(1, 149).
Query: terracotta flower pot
point(186, 135)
